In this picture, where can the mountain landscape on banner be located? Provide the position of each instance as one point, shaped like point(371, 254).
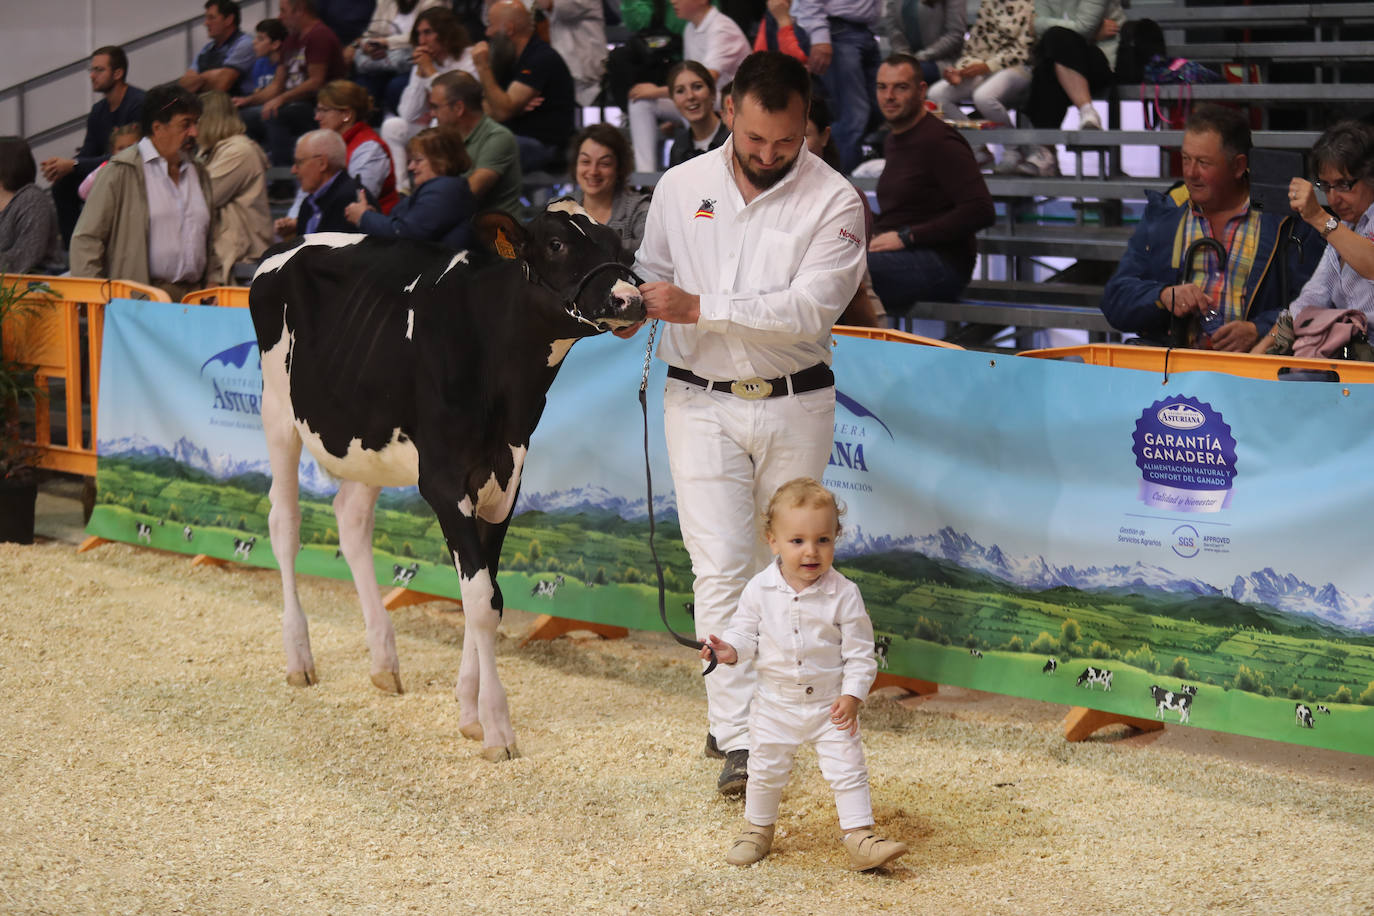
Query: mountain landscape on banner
point(1266, 587)
point(221, 467)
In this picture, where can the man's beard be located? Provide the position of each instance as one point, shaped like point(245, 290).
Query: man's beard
point(765, 178)
point(502, 57)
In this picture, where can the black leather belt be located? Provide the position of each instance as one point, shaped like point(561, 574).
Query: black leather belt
point(810, 379)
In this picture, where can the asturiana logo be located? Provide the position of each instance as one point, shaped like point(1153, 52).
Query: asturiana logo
point(1181, 416)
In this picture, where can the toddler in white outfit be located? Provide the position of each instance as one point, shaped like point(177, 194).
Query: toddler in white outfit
point(805, 626)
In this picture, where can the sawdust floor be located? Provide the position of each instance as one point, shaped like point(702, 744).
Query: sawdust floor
point(155, 761)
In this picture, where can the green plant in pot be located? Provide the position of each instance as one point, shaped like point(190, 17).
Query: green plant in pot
point(19, 396)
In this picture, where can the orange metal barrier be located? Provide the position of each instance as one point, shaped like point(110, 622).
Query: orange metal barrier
point(844, 330)
point(1162, 360)
point(52, 341)
point(229, 296)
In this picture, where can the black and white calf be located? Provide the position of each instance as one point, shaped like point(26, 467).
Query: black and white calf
point(547, 588)
point(1092, 676)
point(403, 575)
point(1303, 713)
point(187, 533)
point(880, 646)
point(976, 653)
point(1051, 666)
point(399, 363)
point(1323, 710)
point(242, 548)
point(145, 533)
point(1182, 703)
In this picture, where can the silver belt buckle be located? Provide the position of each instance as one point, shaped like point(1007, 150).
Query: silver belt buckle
point(751, 389)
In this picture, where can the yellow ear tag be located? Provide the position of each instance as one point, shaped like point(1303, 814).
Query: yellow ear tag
point(503, 246)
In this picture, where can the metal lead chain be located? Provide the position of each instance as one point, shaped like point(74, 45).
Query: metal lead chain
point(648, 356)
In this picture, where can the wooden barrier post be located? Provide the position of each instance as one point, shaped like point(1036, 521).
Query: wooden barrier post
point(914, 685)
point(549, 627)
point(1082, 722)
point(400, 597)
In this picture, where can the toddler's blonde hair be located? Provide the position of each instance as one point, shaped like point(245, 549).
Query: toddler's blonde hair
point(803, 492)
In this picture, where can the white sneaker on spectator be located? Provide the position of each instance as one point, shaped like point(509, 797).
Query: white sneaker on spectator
point(1041, 161)
point(1012, 157)
point(983, 156)
point(1088, 118)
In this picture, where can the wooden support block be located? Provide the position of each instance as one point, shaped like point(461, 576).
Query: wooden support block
point(549, 627)
point(92, 542)
point(921, 688)
point(1081, 722)
point(403, 597)
point(201, 559)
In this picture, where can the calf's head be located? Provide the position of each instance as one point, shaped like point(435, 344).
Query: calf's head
point(578, 259)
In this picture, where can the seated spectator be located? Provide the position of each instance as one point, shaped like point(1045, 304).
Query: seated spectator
point(1149, 294)
point(320, 166)
point(494, 178)
point(441, 45)
point(932, 199)
point(533, 95)
point(577, 31)
point(29, 241)
point(694, 94)
point(1343, 158)
point(382, 56)
point(994, 70)
point(148, 218)
point(441, 207)
point(655, 44)
point(844, 55)
point(226, 62)
point(710, 38)
point(123, 137)
point(238, 186)
point(268, 36)
point(310, 57)
point(601, 165)
point(932, 31)
point(343, 107)
point(346, 18)
point(1074, 55)
point(122, 104)
point(778, 32)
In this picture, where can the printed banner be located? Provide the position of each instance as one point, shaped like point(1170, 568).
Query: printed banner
point(1078, 534)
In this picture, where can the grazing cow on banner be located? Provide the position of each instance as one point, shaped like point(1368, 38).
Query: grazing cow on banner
point(1181, 702)
point(1092, 676)
point(399, 363)
point(1051, 666)
point(1303, 713)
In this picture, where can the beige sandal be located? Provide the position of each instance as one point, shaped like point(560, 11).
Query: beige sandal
point(751, 845)
point(868, 850)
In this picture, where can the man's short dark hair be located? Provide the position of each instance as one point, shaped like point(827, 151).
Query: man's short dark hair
point(1347, 146)
point(165, 102)
point(903, 59)
point(772, 78)
point(274, 29)
point(309, 7)
point(17, 167)
point(1227, 123)
point(118, 59)
point(227, 8)
point(458, 86)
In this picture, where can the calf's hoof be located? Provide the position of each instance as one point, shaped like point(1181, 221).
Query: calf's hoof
point(304, 678)
point(472, 730)
point(387, 682)
point(497, 754)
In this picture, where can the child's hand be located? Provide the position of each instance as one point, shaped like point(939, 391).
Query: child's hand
point(844, 712)
point(725, 653)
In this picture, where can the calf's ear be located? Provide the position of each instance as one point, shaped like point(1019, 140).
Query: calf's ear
point(499, 232)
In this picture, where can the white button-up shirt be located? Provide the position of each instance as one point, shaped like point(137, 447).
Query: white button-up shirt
point(773, 276)
point(820, 637)
point(1337, 285)
point(717, 44)
point(178, 219)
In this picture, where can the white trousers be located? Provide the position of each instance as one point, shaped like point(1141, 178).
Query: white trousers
point(728, 457)
point(992, 95)
point(648, 142)
point(784, 718)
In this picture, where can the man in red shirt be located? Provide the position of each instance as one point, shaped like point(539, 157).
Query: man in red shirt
point(931, 196)
point(310, 57)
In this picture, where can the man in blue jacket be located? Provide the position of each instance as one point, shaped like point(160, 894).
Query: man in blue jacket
point(1224, 306)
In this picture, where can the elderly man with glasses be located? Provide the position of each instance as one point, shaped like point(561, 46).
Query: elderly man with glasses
point(326, 189)
point(1205, 301)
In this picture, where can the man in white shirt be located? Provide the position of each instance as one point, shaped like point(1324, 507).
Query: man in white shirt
point(710, 38)
point(148, 217)
point(752, 251)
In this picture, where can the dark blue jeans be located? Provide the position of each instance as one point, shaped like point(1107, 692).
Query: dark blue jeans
point(903, 278)
point(849, 82)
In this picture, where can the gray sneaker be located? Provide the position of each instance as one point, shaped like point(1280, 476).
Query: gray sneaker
point(734, 774)
point(1041, 162)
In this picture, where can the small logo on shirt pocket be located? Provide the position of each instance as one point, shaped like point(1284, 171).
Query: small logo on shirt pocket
point(707, 210)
